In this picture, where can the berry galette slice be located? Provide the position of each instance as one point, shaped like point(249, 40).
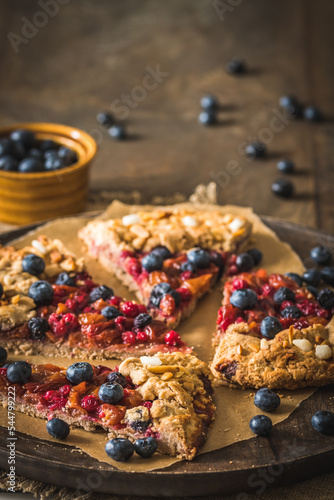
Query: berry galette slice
point(167, 397)
point(273, 332)
point(168, 258)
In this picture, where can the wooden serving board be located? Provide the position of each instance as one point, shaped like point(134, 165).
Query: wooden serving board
point(251, 465)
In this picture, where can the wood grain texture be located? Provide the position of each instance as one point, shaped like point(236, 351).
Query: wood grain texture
point(88, 55)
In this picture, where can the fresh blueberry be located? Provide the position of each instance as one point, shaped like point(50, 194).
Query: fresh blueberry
point(35, 153)
point(207, 118)
point(152, 262)
point(295, 277)
point(3, 355)
point(261, 425)
point(287, 100)
point(291, 106)
point(1, 290)
point(244, 262)
point(67, 155)
point(199, 257)
point(282, 188)
point(312, 277)
point(142, 320)
point(321, 255)
point(270, 326)
point(117, 378)
point(256, 150)
point(291, 312)
point(111, 393)
point(244, 299)
point(266, 400)
point(286, 166)
point(146, 447)
point(38, 328)
point(111, 312)
point(117, 132)
point(33, 264)
point(28, 165)
point(50, 153)
point(9, 163)
point(53, 163)
point(5, 146)
point(65, 279)
point(313, 290)
point(119, 449)
point(327, 274)
point(159, 291)
point(25, 137)
point(209, 102)
point(284, 293)
point(162, 251)
point(256, 255)
point(236, 66)
point(326, 298)
point(312, 114)
point(41, 292)
point(101, 292)
point(19, 372)
point(176, 296)
point(57, 428)
point(48, 145)
point(188, 266)
point(217, 260)
point(106, 119)
point(79, 372)
point(323, 421)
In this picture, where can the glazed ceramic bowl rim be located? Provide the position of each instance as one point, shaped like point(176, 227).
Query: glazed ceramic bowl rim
point(56, 129)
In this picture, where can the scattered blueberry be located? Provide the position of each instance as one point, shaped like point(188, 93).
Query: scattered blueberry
point(25, 137)
point(117, 132)
point(244, 262)
point(207, 117)
point(106, 119)
point(117, 378)
point(312, 114)
point(176, 296)
point(256, 255)
point(256, 150)
point(101, 292)
point(119, 449)
point(270, 326)
point(146, 447)
point(111, 312)
point(326, 298)
point(5, 146)
point(41, 292)
point(295, 277)
point(48, 145)
point(236, 66)
point(50, 153)
point(291, 312)
point(287, 100)
point(209, 102)
point(188, 266)
point(286, 166)
point(217, 260)
point(65, 279)
point(291, 106)
point(284, 293)
point(19, 372)
point(28, 165)
point(327, 274)
point(321, 255)
point(162, 251)
point(3, 355)
point(283, 188)
point(53, 163)
point(199, 257)
point(267, 400)
point(142, 320)
point(67, 155)
point(79, 372)
point(38, 328)
point(111, 393)
point(313, 290)
point(261, 425)
point(9, 163)
point(152, 262)
point(323, 421)
point(158, 292)
point(312, 277)
point(244, 299)
point(33, 264)
point(57, 428)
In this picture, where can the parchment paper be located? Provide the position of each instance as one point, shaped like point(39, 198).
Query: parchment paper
point(234, 407)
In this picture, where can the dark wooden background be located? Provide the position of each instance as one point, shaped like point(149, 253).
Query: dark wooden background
point(91, 53)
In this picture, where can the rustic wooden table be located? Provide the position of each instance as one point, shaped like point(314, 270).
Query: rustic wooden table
point(151, 62)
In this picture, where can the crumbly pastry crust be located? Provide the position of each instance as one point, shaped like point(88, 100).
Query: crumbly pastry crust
point(244, 361)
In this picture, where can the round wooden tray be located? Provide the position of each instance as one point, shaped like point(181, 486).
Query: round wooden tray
point(251, 465)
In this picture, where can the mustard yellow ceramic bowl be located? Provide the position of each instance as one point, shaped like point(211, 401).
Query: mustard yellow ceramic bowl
point(39, 196)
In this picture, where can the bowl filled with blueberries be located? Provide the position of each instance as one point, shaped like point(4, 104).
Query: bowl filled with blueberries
point(44, 171)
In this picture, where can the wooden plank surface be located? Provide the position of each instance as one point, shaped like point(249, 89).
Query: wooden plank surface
point(89, 55)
